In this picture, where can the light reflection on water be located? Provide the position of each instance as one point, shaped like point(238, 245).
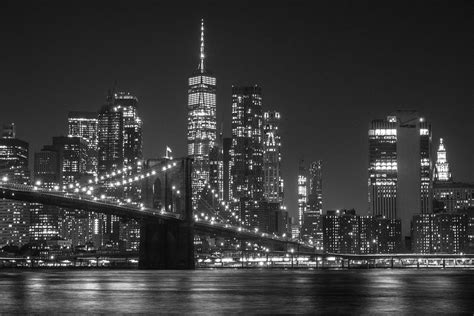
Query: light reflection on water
point(243, 291)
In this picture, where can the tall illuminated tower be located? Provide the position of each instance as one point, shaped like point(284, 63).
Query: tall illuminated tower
point(312, 222)
point(110, 137)
point(273, 182)
point(442, 172)
point(202, 126)
point(119, 146)
point(247, 143)
point(247, 152)
point(400, 172)
point(302, 192)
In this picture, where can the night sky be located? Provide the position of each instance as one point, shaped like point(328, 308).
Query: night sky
point(329, 69)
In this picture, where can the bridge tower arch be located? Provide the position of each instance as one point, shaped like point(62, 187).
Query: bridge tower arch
point(166, 245)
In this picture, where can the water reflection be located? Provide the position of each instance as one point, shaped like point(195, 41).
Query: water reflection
point(243, 291)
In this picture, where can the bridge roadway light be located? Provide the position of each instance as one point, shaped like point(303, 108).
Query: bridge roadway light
point(5, 179)
point(38, 183)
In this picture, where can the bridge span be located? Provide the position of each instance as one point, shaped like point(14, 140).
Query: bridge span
point(166, 238)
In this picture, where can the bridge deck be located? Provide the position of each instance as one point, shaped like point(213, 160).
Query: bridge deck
point(89, 203)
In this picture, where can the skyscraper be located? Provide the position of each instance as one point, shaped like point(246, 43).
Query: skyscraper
point(132, 139)
point(273, 182)
point(400, 180)
point(119, 134)
point(247, 150)
point(302, 192)
point(120, 145)
point(442, 172)
point(315, 196)
point(132, 127)
point(14, 216)
point(110, 137)
point(449, 196)
point(312, 224)
point(247, 144)
point(202, 129)
point(85, 125)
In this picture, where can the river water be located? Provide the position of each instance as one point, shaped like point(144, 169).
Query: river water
point(238, 291)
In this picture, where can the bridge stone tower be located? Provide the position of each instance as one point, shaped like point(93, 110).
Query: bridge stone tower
point(165, 244)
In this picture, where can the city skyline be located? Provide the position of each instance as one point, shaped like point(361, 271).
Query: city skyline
point(345, 152)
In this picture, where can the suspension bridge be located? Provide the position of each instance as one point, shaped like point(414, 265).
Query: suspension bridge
point(167, 215)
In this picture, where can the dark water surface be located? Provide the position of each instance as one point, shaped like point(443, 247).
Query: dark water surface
point(238, 291)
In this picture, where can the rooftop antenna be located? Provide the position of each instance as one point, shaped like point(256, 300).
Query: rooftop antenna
point(201, 55)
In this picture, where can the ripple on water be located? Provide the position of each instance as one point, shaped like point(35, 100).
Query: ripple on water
point(242, 291)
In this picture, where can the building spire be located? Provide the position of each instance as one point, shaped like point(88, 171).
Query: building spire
point(442, 171)
point(201, 55)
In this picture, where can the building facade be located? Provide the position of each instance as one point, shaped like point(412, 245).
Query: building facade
point(440, 233)
point(346, 232)
point(85, 125)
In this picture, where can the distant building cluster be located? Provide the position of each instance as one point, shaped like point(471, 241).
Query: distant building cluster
point(243, 170)
point(405, 184)
point(96, 143)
